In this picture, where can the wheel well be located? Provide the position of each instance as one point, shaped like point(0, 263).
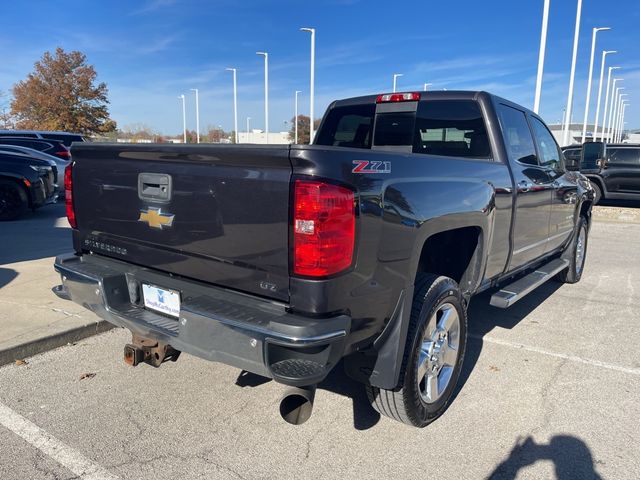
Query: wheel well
point(449, 253)
point(584, 210)
point(600, 184)
point(20, 185)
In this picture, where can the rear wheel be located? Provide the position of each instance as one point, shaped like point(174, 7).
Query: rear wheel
point(433, 355)
point(13, 200)
point(597, 192)
point(578, 253)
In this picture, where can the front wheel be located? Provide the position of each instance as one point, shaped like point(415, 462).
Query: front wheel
point(578, 255)
point(13, 200)
point(597, 192)
point(433, 355)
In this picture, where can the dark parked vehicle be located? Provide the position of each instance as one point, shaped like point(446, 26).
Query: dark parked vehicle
point(367, 246)
point(57, 163)
point(64, 137)
point(52, 147)
point(612, 169)
point(24, 183)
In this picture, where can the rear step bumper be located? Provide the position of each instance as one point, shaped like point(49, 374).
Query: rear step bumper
point(520, 288)
point(246, 332)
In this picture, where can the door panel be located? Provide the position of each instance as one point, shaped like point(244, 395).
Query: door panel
point(533, 188)
point(565, 191)
point(621, 171)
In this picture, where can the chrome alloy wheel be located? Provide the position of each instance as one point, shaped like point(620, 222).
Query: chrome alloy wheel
point(580, 249)
point(438, 353)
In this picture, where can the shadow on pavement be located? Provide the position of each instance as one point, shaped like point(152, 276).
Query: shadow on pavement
point(620, 203)
point(571, 458)
point(483, 318)
point(364, 416)
point(35, 235)
point(7, 275)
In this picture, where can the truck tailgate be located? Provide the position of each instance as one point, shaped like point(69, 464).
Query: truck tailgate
point(215, 213)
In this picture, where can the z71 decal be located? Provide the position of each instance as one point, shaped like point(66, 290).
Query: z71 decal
point(366, 166)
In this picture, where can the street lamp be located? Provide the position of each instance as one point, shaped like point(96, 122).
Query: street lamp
point(427, 85)
point(295, 117)
point(395, 77)
point(588, 100)
point(197, 115)
point(606, 104)
point(543, 46)
point(595, 123)
point(622, 122)
point(573, 74)
point(312, 80)
point(616, 116)
point(235, 103)
point(266, 92)
point(248, 134)
point(614, 104)
point(184, 119)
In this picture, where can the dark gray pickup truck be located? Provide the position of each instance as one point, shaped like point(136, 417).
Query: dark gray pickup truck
point(366, 246)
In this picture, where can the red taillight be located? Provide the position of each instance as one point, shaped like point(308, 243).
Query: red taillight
point(68, 195)
point(63, 154)
point(398, 97)
point(324, 227)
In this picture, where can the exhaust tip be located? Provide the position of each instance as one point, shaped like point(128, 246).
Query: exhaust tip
point(297, 405)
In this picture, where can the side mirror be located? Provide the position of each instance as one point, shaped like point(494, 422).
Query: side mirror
point(592, 155)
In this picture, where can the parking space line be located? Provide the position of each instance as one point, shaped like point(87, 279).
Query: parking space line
point(51, 446)
point(573, 358)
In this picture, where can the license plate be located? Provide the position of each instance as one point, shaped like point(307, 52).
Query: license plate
point(161, 300)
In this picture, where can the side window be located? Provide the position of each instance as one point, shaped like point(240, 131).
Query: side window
point(348, 126)
point(547, 146)
point(623, 156)
point(453, 128)
point(517, 135)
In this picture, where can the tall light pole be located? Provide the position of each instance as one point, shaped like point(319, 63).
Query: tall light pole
point(266, 92)
point(588, 100)
point(197, 115)
point(312, 80)
point(616, 121)
point(184, 119)
point(573, 75)
point(248, 134)
point(595, 122)
point(614, 104)
point(427, 85)
point(622, 122)
point(606, 104)
point(295, 117)
point(543, 46)
point(395, 79)
point(235, 103)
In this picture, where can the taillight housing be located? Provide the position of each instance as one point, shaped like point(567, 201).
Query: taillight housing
point(68, 195)
point(66, 154)
point(324, 227)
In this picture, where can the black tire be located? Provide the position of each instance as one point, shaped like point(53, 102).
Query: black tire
point(573, 274)
point(597, 192)
point(407, 403)
point(13, 200)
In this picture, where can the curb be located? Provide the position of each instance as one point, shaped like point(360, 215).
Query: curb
point(53, 341)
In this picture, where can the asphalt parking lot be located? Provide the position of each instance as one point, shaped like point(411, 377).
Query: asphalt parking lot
point(550, 389)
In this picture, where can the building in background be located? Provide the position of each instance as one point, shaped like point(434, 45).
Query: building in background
point(575, 133)
point(633, 136)
point(258, 136)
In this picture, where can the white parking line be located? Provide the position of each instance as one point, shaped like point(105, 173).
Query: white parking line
point(573, 358)
point(51, 446)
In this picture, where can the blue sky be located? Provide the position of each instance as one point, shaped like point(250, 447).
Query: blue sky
point(149, 52)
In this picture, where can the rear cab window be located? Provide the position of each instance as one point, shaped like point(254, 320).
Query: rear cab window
point(454, 128)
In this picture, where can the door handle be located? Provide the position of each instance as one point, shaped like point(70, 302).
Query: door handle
point(524, 186)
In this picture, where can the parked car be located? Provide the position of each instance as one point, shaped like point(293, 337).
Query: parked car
point(612, 169)
point(64, 137)
point(24, 183)
point(366, 246)
point(52, 147)
point(58, 163)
